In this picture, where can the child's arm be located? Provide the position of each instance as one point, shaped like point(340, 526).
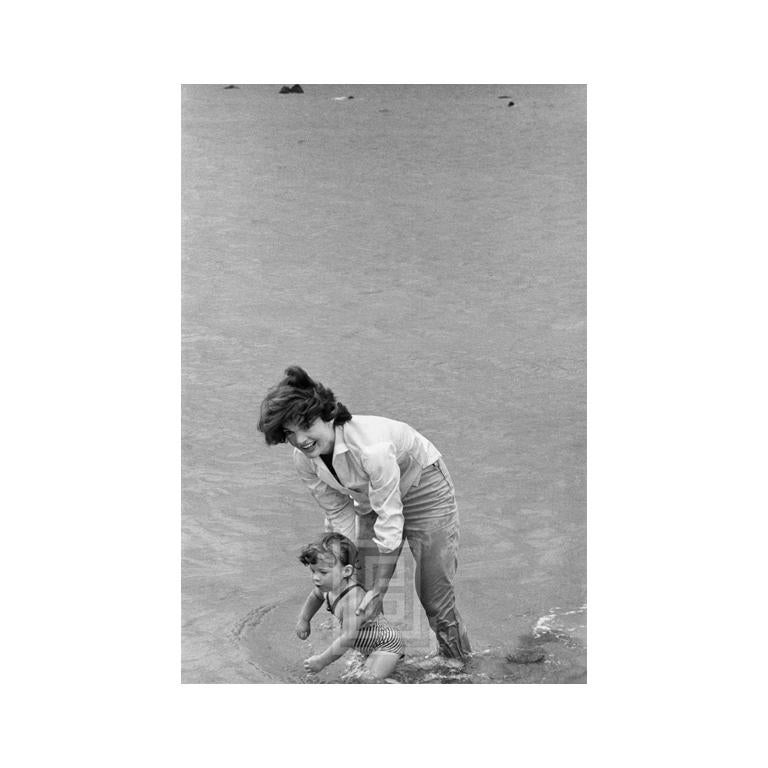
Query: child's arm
point(308, 610)
point(350, 625)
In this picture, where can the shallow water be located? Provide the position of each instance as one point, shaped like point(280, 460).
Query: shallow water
point(422, 250)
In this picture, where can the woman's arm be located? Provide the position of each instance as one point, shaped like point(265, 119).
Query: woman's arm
point(339, 508)
point(308, 610)
point(380, 464)
point(384, 567)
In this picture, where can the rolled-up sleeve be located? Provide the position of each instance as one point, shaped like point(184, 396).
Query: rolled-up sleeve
point(339, 509)
point(380, 463)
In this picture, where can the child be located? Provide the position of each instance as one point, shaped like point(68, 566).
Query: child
point(333, 561)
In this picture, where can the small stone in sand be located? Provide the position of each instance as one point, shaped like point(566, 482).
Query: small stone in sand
point(526, 656)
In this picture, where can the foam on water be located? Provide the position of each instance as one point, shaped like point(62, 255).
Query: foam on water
point(559, 622)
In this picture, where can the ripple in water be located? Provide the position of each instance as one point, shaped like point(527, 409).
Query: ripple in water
point(553, 652)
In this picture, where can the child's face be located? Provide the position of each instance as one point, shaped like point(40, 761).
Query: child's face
point(329, 574)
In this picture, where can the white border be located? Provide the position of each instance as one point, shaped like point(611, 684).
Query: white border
point(676, 381)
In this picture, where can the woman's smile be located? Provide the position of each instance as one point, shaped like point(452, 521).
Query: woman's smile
point(314, 440)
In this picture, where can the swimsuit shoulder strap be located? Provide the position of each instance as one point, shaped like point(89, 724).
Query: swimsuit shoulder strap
point(332, 607)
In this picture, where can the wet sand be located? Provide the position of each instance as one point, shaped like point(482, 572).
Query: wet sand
point(422, 250)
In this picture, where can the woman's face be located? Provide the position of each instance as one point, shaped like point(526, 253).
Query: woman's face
point(315, 440)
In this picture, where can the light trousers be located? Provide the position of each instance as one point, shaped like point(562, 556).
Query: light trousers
point(431, 528)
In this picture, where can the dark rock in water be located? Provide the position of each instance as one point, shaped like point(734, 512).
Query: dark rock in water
point(511, 104)
point(502, 97)
point(227, 87)
point(526, 656)
point(297, 89)
point(285, 89)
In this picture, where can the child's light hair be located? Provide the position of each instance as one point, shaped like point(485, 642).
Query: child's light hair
point(339, 547)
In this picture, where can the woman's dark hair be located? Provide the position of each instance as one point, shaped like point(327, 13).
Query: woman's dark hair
point(339, 547)
point(299, 399)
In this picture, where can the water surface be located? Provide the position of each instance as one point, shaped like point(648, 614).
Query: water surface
point(422, 250)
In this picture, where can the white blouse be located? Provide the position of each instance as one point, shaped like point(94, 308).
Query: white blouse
point(376, 460)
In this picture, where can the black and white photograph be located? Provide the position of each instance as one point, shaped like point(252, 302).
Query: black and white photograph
point(392, 346)
point(384, 383)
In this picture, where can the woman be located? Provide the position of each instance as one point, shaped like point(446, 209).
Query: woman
point(378, 481)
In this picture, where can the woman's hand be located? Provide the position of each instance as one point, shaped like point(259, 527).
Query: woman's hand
point(370, 606)
point(313, 664)
point(303, 629)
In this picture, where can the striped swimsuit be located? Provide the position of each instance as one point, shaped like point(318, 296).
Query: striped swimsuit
point(375, 635)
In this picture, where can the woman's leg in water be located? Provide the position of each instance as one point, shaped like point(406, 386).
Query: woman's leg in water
point(432, 531)
point(434, 553)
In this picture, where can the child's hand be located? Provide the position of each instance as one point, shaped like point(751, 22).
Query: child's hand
point(313, 664)
point(302, 629)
